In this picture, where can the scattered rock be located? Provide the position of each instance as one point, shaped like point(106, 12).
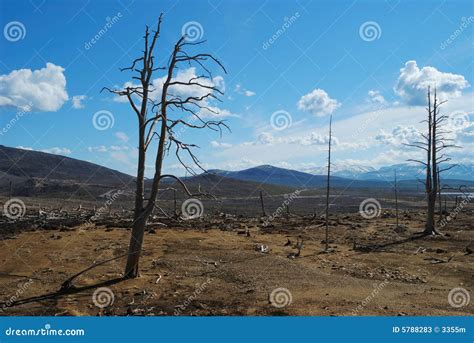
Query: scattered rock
point(55, 236)
point(264, 249)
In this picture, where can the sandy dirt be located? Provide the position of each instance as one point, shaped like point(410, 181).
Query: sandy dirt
point(213, 267)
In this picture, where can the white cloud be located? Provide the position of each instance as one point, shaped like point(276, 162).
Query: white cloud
point(318, 103)
point(43, 89)
point(265, 138)
point(240, 90)
point(103, 148)
point(413, 83)
point(313, 139)
point(184, 91)
point(376, 97)
point(77, 101)
point(24, 148)
point(216, 144)
point(54, 150)
point(57, 151)
point(100, 148)
point(249, 93)
point(122, 136)
point(214, 112)
point(399, 136)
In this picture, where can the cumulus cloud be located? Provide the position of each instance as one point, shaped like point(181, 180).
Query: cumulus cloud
point(239, 89)
point(77, 101)
point(184, 91)
point(42, 90)
point(266, 138)
point(399, 136)
point(122, 136)
point(413, 83)
point(57, 151)
point(318, 103)
point(376, 97)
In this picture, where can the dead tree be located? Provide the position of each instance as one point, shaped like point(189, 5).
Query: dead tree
point(440, 203)
point(434, 143)
point(396, 198)
point(328, 184)
point(157, 111)
point(264, 213)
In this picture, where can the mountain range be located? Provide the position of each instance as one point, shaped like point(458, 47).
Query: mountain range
point(33, 173)
point(404, 171)
point(357, 177)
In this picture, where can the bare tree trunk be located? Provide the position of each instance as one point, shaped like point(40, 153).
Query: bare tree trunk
point(144, 106)
point(264, 214)
point(135, 247)
point(139, 221)
point(440, 202)
point(328, 184)
point(429, 226)
point(175, 203)
point(396, 198)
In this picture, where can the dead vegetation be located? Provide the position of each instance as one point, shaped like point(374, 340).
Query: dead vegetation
point(228, 265)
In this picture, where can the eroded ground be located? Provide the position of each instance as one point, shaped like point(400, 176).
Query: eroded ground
point(212, 267)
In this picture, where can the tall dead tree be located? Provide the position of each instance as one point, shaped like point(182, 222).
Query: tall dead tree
point(328, 184)
point(396, 198)
point(440, 203)
point(160, 114)
point(433, 143)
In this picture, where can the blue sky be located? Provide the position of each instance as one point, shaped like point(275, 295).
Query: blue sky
point(290, 64)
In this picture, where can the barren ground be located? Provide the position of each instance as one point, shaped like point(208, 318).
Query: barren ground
point(208, 267)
